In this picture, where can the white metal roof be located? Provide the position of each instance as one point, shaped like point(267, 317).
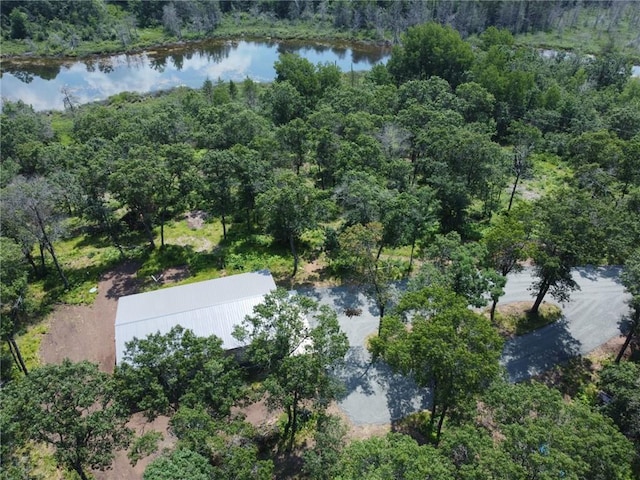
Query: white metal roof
point(213, 307)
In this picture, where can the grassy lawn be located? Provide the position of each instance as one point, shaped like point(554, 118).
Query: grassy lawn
point(515, 318)
point(62, 125)
point(199, 253)
point(549, 173)
point(29, 345)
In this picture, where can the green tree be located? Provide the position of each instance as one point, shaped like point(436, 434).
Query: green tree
point(321, 462)
point(622, 383)
point(449, 349)
point(73, 408)
point(545, 436)
point(135, 182)
point(566, 233)
point(362, 197)
point(631, 280)
point(301, 73)
point(252, 173)
point(461, 268)
point(360, 256)
point(19, 22)
point(294, 137)
point(30, 211)
point(507, 238)
point(210, 437)
point(283, 102)
point(428, 50)
point(161, 372)
point(175, 179)
point(219, 168)
point(180, 463)
point(291, 206)
point(296, 356)
point(13, 286)
point(393, 456)
point(408, 217)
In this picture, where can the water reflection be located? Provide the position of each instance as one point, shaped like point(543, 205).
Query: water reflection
point(39, 82)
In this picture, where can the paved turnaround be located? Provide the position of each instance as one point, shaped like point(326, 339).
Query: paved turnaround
point(375, 395)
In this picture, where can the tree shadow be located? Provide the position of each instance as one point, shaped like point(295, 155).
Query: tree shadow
point(625, 324)
point(124, 280)
point(341, 298)
point(357, 372)
point(538, 351)
point(570, 377)
point(404, 397)
point(365, 382)
point(595, 273)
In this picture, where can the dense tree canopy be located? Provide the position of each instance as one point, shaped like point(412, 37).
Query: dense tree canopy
point(161, 372)
point(448, 348)
point(72, 407)
point(297, 343)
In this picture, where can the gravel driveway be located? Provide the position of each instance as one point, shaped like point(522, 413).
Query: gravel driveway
point(376, 396)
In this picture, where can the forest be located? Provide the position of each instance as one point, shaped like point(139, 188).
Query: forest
point(447, 169)
point(71, 28)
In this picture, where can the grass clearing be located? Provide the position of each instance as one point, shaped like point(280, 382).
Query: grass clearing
point(417, 426)
point(591, 33)
point(29, 344)
point(516, 319)
point(205, 254)
point(549, 173)
point(83, 258)
point(62, 126)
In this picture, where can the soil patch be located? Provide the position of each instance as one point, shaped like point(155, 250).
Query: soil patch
point(311, 275)
point(122, 468)
point(195, 219)
point(86, 332)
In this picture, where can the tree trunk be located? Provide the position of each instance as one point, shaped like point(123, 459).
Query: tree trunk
point(413, 246)
point(46, 243)
point(31, 261)
point(513, 192)
point(58, 268)
point(544, 288)
point(379, 252)
point(294, 421)
point(295, 255)
point(434, 407)
point(43, 266)
point(381, 308)
point(493, 310)
point(630, 335)
point(224, 226)
point(287, 426)
point(248, 220)
point(15, 352)
point(440, 422)
point(162, 229)
point(147, 228)
point(79, 470)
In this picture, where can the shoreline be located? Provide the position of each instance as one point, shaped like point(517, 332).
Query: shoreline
point(171, 45)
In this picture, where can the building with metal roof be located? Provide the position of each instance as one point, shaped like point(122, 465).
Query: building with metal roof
point(212, 307)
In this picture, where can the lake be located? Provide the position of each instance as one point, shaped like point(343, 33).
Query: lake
point(39, 81)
